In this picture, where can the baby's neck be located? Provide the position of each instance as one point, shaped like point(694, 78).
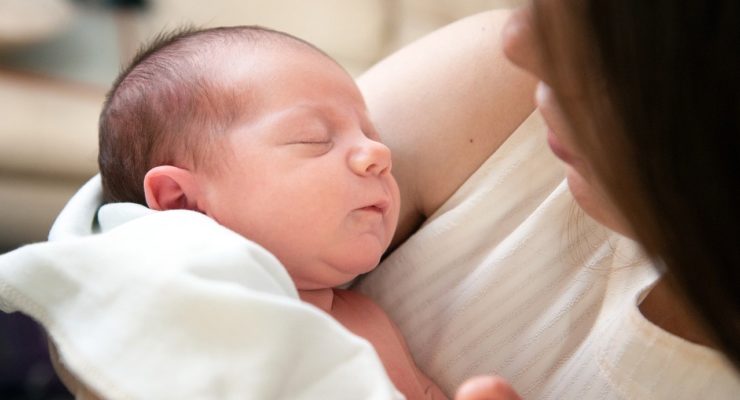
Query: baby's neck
point(321, 298)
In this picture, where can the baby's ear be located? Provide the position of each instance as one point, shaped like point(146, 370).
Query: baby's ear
point(171, 188)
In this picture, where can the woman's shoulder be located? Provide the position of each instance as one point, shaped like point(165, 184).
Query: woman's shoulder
point(639, 359)
point(444, 104)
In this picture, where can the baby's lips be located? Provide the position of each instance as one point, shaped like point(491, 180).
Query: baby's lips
point(381, 206)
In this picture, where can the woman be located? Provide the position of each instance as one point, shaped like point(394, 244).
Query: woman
point(644, 116)
point(641, 101)
point(444, 104)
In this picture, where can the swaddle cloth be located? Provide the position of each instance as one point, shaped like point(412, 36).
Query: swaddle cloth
point(170, 305)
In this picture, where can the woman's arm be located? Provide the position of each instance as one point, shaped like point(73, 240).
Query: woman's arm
point(444, 104)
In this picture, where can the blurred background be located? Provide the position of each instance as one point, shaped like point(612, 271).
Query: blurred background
point(57, 60)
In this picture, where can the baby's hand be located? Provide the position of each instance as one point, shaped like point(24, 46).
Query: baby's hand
point(486, 388)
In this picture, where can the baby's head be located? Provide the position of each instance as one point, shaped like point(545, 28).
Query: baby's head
point(262, 132)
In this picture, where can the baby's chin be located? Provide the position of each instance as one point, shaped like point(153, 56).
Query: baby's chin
point(337, 277)
point(343, 283)
point(360, 264)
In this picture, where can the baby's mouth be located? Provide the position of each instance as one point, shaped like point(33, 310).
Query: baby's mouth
point(372, 209)
point(378, 207)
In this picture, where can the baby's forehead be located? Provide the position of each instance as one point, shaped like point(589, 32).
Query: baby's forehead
point(243, 68)
point(220, 50)
point(250, 75)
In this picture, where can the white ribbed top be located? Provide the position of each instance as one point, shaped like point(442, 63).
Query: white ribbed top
point(508, 277)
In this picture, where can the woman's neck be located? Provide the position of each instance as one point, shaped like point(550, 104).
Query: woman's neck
point(665, 308)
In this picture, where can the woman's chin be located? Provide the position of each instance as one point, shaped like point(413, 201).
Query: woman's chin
point(594, 202)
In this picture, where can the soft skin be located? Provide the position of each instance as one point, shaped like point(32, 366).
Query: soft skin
point(663, 305)
point(303, 172)
point(523, 49)
point(443, 105)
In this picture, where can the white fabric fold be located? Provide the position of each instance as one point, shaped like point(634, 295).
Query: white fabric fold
point(171, 305)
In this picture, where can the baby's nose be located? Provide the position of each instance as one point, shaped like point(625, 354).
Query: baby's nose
point(370, 158)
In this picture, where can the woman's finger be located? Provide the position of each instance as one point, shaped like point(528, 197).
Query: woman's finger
point(486, 388)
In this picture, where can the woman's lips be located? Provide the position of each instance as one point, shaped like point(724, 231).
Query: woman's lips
point(558, 148)
point(551, 113)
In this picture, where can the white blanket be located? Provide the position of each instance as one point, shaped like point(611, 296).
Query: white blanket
point(171, 305)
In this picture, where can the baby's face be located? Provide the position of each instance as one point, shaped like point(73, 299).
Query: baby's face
point(305, 174)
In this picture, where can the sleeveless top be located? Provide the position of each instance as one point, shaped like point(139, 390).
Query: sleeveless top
point(510, 277)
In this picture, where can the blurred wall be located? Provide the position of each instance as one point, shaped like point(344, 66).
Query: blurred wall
point(57, 58)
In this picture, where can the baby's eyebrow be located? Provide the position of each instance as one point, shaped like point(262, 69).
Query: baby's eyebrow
point(311, 118)
point(282, 117)
point(307, 117)
point(298, 113)
point(296, 123)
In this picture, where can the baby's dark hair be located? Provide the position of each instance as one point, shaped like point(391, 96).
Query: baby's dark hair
point(166, 107)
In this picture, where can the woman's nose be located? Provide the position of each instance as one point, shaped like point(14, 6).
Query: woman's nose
point(521, 42)
point(370, 157)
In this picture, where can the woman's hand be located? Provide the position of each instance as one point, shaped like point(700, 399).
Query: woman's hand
point(486, 388)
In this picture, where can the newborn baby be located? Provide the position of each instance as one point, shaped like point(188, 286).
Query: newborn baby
point(270, 137)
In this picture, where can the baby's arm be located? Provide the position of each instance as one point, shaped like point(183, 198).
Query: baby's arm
point(366, 319)
point(431, 390)
point(443, 105)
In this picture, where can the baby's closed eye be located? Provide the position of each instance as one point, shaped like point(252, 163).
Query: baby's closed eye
point(312, 145)
point(313, 135)
point(312, 141)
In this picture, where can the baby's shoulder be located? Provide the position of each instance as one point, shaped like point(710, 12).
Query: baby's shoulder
point(350, 298)
point(349, 305)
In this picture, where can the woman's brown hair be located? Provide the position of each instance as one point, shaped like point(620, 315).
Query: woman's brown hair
point(659, 121)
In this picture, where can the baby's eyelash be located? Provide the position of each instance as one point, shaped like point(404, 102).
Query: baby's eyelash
point(313, 142)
